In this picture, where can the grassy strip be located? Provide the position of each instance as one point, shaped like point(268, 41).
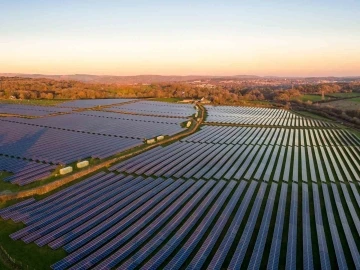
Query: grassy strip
point(31, 255)
point(6, 262)
point(312, 115)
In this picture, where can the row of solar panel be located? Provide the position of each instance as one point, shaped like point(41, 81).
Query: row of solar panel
point(58, 146)
point(260, 116)
point(102, 126)
point(24, 171)
point(136, 118)
point(30, 110)
point(279, 136)
point(110, 221)
point(131, 106)
point(250, 111)
point(156, 108)
point(68, 138)
point(90, 103)
point(265, 162)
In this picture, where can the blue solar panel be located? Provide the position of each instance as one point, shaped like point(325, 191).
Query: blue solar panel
point(292, 235)
point(220, 255)
point(156, 108)
point(186, 249)
point(345, 224)
point(151, 245)
point(58, 146)
point(144, 201)
point(79, 254)
point(180, 234)
point(323, 250)
point(339, 252)
point(274, 255)
point(208, 244)
point(89, 103)
point(306, 233)
point(24, 171)
point(351, 207)
point(244, 241)
point(30, 110)
point(54, 221)
point(258, 250)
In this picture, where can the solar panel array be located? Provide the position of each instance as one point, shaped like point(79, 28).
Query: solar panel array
point(24, 171)
point(90, 103)
point(260, 116)
point(29, 110)
point(57, 146)
point(140, 128)
point(226, 197)
point(136, 118)
point(156, 108)
point(254, 153)
point(126, 222)
point(83, 131)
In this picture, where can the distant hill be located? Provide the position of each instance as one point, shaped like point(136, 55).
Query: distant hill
point(147, 79)
point(112, 79)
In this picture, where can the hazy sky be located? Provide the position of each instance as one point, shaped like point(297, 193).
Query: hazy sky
point(301, 38)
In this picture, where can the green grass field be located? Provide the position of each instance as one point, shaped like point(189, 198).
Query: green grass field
point(356, 99)
point(344, 104)
point(312, 115)
point(29, 255)
point(311, 98)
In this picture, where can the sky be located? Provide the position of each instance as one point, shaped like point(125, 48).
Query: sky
point(266, 38)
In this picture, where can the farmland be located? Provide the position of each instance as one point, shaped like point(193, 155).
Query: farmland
point(248, 181)
point(345, 95)
point(344, 104)
point(312, 98)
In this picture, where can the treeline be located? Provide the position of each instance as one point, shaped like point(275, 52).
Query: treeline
point(328, 88)
point(27, 88)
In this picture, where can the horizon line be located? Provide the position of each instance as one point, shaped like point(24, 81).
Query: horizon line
point(5, 74)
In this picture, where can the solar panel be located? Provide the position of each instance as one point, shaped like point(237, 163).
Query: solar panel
point(244, 241)
point(306, 233)
point(341, 261)
point(259, 247)
point(292, 234)
point(201, 229)
point(274, 254)
point(345, 225)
